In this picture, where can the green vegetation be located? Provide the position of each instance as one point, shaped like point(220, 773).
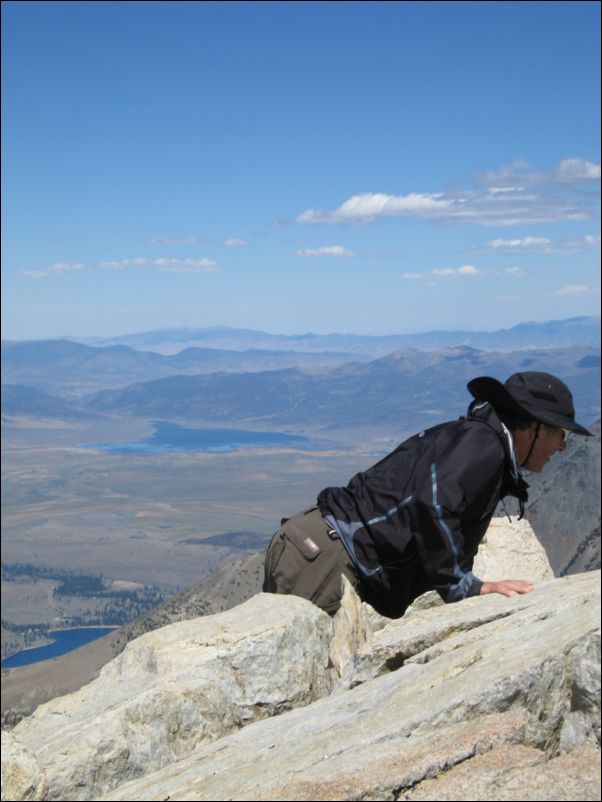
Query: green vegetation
point(30, 633)
point(111, 607)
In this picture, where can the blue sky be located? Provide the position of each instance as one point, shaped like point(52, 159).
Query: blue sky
point(313, 166)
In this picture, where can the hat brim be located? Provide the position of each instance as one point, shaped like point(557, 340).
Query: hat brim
point(486, 388)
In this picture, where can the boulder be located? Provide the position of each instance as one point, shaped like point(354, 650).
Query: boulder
point(511, 550)
point(177, 687)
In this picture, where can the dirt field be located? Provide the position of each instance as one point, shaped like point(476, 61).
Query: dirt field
point(127, 516)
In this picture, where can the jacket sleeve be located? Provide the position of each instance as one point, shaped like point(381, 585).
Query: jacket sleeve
point(460, 482)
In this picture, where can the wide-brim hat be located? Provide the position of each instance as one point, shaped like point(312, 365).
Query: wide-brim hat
point(538, 396)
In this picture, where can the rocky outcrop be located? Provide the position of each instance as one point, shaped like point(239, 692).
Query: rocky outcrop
point(178, 687)
point(511, 772)
point(504, 673)
point(275, 700)
point(564, 506)
point(510, 550)
point(22, 776)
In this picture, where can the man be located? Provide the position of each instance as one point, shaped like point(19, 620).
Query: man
point(413, 522)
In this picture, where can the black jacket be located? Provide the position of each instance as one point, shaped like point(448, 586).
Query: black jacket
point(413, 522)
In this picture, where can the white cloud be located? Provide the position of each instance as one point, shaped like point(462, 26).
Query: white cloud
point(571, 169)
point(465, 270)
point(164, 265)
point(504, 177)
point(175, 241)
point(367, 207)
point(517, 174)
point(192, 266)
point(137, 262)
point(233, 242)
point(54, 270)
point(544, 245)
point(461, 272)
point(581, 243)
point(573, 289)
point(527, 243)
point(327, 250)
point(512, 195)
point(495, 190)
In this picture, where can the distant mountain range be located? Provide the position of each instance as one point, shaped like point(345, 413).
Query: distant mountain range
point(73, 369)
point(551, 334)
point(406, 389)
point(18, 400)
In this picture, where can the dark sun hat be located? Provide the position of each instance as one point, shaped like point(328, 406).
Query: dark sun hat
point(539, 396)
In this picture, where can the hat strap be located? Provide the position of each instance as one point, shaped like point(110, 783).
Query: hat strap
point(526, 459)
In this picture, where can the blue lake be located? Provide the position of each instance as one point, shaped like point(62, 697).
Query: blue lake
point(64, 640)
point(169, 436)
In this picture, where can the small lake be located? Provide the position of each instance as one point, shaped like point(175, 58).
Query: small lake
point(169, 436)
point(64, 640)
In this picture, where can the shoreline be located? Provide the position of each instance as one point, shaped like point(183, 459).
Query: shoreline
point(50, 641)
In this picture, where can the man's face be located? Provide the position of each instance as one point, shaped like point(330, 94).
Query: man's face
point(549, 441)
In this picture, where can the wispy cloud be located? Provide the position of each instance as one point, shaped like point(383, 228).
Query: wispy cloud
point(525, 244)
point(327, 250)
point(175, 241)
point(122, 264)
point(575, 169)
point(509, 196)
point(543, 245)
point(53, 270)
point(518, 176)
point(465, 271)
point(164, 265)
point(186, 265)
point(573, 289)
point(234, 242)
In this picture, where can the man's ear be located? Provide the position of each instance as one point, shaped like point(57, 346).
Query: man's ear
point(532, 428)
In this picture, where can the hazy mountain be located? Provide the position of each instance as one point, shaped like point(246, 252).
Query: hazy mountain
point(551, 334)
point(71, 368)
point(404, 390)
point(20, 400)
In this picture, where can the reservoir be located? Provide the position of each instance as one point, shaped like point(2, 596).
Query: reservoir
point(169, 436)
point(64, 640)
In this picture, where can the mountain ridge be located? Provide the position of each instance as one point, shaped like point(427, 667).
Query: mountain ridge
point(570, 331)
point(404, 389)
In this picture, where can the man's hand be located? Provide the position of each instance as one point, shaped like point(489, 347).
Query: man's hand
point(507, 587)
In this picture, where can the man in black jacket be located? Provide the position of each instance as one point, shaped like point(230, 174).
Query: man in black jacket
point(413, 522)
